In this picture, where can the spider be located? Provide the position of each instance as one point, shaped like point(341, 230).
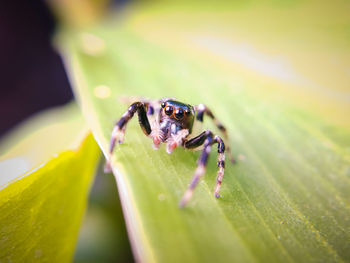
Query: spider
point(172, 124)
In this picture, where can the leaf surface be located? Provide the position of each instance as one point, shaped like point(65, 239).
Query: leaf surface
point(287, 198)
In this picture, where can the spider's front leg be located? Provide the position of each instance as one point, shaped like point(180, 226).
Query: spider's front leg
point(207, 139)
point(120, 126)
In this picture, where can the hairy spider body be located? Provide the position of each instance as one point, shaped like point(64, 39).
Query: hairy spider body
point(172, 124)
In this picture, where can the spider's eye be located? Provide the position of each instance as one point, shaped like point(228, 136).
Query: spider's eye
point(169, 110)
point(187, 111)
point(179, 113)
point(163, 105)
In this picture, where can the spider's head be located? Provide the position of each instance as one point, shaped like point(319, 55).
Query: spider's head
point(179, 113)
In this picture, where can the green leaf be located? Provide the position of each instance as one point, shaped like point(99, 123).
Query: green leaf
point(287, 198)
point(41, 210)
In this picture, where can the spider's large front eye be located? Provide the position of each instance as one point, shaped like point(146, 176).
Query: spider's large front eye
point(169, 110)
point(179, 113)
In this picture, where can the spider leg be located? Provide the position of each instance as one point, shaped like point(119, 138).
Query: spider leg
point(120, 126)
point(201, 109)
point(152, 105)
point(221, 165)
point(121, 135)
point(208, 140)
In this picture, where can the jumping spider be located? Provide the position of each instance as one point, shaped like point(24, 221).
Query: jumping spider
point(173, 123)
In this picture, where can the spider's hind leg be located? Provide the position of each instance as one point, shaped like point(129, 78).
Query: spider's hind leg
point(120, 126)
point(221, 165)
point(201, 109)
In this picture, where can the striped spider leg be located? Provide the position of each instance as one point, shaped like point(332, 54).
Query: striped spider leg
point(207, 139)
point(201, 109)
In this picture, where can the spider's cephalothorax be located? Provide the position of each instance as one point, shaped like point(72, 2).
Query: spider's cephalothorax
point(172, 124)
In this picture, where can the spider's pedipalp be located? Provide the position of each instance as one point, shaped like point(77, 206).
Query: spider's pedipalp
point(157, 134)
point(176, 139)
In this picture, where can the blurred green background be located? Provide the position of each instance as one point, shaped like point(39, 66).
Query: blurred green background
point(103, 236)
